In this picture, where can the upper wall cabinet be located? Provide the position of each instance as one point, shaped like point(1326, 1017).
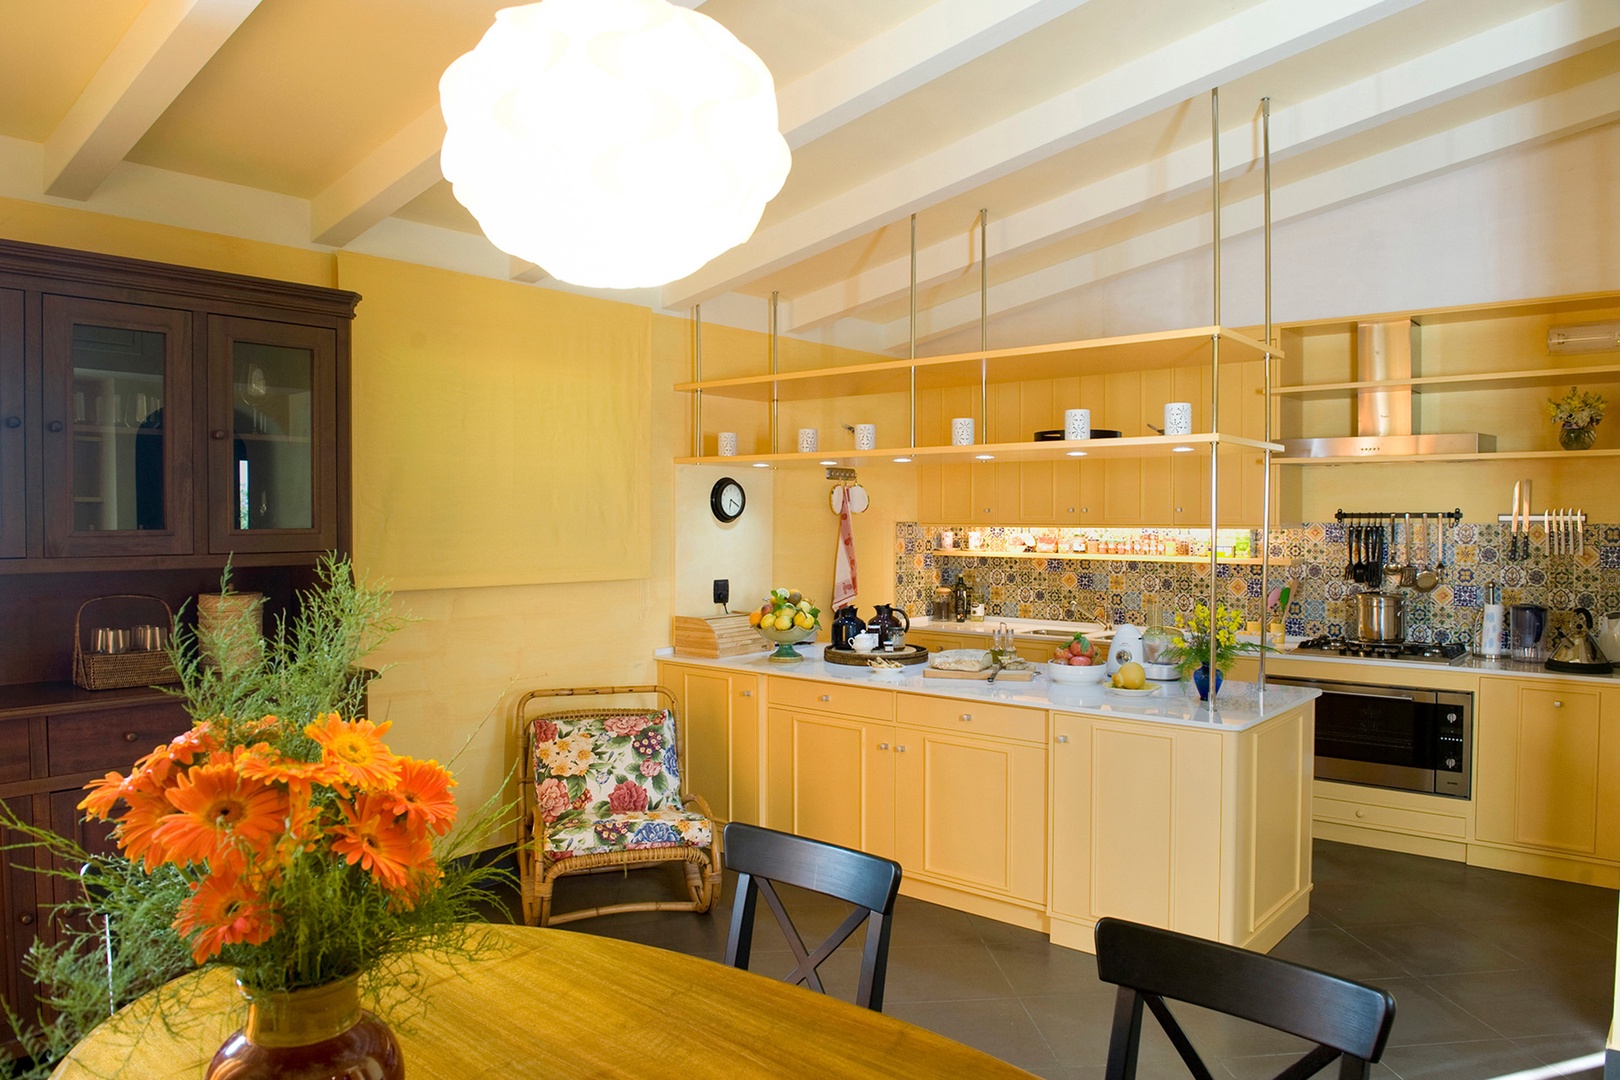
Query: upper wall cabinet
point(166, 415)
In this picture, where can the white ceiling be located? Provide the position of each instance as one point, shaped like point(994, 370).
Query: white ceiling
point(1081, 126)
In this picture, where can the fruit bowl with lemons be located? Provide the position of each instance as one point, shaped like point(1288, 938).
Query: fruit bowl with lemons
point(786, 618)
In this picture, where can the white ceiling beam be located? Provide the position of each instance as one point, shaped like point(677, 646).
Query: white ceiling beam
point(1554, 116)
point(1500, 53)
point(165, 47)
point(386, 179)
point(1260, 35)
point(931, 43)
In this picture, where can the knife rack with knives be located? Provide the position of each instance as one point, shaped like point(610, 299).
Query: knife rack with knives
point(1564, 528)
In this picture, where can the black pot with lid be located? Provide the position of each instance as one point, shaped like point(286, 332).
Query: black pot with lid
point(846, 624)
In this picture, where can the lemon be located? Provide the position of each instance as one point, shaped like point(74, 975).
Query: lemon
point(1131, 676)
point(803, 620)
point(783, 621)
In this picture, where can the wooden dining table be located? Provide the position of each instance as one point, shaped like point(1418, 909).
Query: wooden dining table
point(560, 1004)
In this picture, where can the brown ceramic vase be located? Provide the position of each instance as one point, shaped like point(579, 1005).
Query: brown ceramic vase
point(316, 1034)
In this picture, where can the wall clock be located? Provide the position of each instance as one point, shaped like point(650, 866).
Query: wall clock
point(727, 499)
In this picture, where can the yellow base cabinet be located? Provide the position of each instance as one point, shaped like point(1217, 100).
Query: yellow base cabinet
point(719, 711)
point(1202, 832)
point(970, 795)
point(1547, 786)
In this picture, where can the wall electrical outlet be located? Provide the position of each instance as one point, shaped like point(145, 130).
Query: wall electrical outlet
point(722, 591)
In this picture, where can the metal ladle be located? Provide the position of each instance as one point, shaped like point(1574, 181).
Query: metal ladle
point(1427, 579)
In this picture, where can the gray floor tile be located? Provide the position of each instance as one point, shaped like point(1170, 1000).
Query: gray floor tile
point(1367, 903)
point(1434, 949)
point(1460, 1061)
point(1528, 1003)
point(1340, 951)
point(1000, 1028)
point(1422, 1015)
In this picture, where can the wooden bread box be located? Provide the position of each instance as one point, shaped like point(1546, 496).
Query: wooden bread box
point(716, 636)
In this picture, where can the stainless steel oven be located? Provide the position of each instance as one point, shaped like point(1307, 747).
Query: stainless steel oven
point(1392, 736)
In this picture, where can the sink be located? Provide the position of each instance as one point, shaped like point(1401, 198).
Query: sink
point(1048, 632)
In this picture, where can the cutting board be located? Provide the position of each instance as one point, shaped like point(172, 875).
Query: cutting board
point(981, 676)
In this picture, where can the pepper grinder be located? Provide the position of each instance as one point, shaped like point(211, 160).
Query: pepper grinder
point(1493, 625)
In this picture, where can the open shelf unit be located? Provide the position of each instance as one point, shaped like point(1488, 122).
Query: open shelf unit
point(1102, 449)
point(1493, 455)
point(1087, 556)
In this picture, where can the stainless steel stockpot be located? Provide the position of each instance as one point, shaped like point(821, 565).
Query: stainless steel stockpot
point(1380, 616)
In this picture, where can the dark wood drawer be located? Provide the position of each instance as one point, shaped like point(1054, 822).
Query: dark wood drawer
point(13, 750)
point(99, 741)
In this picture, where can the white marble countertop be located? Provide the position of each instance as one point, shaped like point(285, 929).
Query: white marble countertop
point(1019, 627)
point(1477, 665)
point(1240, 705)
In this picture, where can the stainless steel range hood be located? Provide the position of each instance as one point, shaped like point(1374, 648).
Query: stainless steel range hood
point(1387, 351)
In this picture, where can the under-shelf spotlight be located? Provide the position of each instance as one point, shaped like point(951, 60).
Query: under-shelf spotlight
point(762, 464)
point(1584, 338)
point(1077, 453)
point(902, 461)
point(1181, 449)
point(984, 457)
point(826, 463)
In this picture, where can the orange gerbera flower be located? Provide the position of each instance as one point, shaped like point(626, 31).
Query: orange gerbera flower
point(149, 808)
point(372, 835)
point(264, 762)
point(356, 748)
point(423, 795)
point(222, 910)
point(222, 814)
point(104, 795)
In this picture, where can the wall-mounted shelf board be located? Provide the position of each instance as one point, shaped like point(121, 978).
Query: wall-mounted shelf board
point(1499, 455)
point(1484, 380)
point(1166, 349)
point(1093, 449)
point(1074, 556)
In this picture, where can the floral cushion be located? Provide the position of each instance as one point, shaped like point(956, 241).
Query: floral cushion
point(575, 834)
point(588, 768)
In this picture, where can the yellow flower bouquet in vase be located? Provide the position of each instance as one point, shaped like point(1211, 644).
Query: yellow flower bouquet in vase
point(281, 837)
point(1202, 634)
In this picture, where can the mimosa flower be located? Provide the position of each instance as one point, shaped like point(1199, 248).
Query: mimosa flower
point(423, 795)
point(222, 911)
point(373, 836)
point(222, 813)
point(356, 748)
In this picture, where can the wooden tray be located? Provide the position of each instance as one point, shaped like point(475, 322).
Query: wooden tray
point(910, 654)
point(981, 676)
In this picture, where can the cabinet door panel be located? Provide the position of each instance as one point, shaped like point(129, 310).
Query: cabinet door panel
point(705, 699)
point(109, 739)
point(1540, 755)
point(13, 472)
point(116, 469)
point(273, 434)
point(20, 910)
point(842, 779)
point(745, 749)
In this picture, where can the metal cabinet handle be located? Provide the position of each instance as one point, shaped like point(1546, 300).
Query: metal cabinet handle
point(13, 421)
point(130, 736)
point(899, 749)
point(883, 746)
point(54, 426)
point(1361, 813)
point(1558, 704)
point(1062, 738)
point(26, 919)
point(217, 434)
point(747, 693)
point(967, 716)
point(826, 697)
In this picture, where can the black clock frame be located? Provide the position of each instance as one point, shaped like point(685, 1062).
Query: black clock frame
point(715, 505)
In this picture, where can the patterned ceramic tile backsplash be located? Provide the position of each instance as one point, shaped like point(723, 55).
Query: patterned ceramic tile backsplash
point(1322, 601)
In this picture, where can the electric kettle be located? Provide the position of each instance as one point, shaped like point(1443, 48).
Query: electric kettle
point(1608, 635)
point(1126, 647)
point(1577, 653)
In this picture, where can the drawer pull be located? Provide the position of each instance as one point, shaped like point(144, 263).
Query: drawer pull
point(218, 434)
point(1361, 813)
point(13, 421)
point(1558, 704)
point(899, 749)
point(27, 919)
point(54, 426)
point(883, 746)
point(826, 697)
point(747, 693)
point(130, 736)
point(1063, 738)
point(966, 717)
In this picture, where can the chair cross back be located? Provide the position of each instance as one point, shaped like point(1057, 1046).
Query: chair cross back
point(763, 857)
point(1347, 1020)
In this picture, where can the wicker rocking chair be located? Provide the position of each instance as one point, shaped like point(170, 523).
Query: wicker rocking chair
point(603, 788)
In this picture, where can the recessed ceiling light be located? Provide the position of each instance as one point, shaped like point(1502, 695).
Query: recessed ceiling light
point(1077, 453)
point(902, 461)
point(762, 464)
point(984, 457)
point(1181, 449)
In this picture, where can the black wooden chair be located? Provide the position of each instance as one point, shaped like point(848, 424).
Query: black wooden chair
point(1343, 1018)
point(762, 857)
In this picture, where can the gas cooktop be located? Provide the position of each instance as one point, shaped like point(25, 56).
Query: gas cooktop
point(1425, 651)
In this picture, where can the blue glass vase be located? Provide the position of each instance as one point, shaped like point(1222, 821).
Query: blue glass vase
point(1201, 680)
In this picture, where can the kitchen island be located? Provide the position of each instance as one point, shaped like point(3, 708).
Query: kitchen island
point(1040, 805)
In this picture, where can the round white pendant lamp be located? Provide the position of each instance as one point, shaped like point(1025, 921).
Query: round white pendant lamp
point(614, 143)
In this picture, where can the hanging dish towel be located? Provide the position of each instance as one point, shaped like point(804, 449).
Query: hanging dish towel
point(843, 592)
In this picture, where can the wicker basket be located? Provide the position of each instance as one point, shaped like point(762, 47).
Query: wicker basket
point(113, 671)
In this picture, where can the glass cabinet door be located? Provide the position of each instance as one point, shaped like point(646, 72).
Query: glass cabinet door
point(116, 472)
point(273, 436)
point(13, 511)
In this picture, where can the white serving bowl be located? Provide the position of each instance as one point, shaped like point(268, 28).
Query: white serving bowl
point(1072, 674)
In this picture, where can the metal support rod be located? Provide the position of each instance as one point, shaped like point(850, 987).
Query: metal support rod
point(911, 352)
point(697, 377)
point(984, 325)
point(1265, 491)
point(1214, 380)
point(774, 401)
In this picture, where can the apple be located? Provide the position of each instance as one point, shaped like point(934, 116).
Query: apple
point(1080, 661)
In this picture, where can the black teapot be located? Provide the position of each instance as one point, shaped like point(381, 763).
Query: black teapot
point(846, 624)
point(890, 625)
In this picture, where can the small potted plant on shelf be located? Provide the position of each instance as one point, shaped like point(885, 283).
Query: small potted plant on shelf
point(1577, 415)
point(279, 837)
point(1192, 655)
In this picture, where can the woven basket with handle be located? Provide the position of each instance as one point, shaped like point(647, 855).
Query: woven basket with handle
point(113, 671)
